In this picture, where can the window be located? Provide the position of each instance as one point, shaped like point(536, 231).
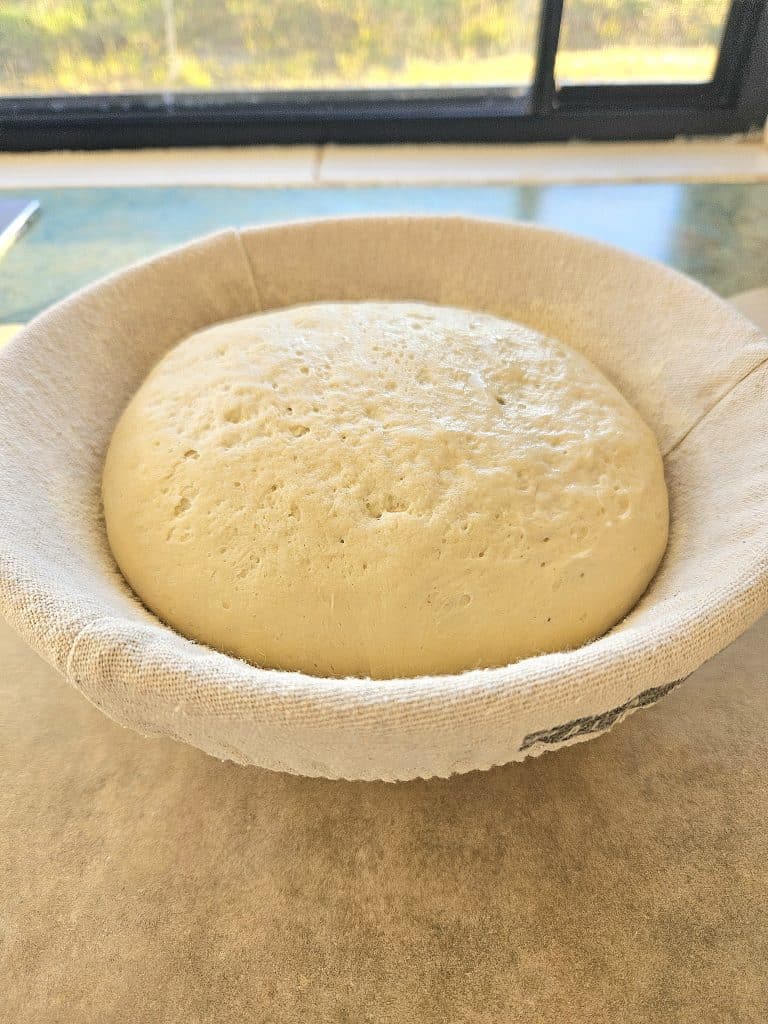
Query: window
point(620, 41)
point(131, 73)
point(130, 46)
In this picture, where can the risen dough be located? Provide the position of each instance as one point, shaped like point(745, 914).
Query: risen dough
point(383, 489)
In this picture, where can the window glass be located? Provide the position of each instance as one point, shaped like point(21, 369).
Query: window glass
point(116, 46)
point(624, 41)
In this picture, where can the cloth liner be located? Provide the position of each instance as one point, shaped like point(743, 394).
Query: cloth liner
point(694, 368)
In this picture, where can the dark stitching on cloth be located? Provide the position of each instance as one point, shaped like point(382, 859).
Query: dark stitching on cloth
point(597, 723)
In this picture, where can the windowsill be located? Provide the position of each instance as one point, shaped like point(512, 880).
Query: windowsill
point(723, 160)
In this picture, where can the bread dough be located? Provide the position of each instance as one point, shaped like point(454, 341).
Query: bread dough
point(383, 489)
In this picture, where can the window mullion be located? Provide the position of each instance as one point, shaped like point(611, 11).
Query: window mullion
point(543, 85)
point(738, 36)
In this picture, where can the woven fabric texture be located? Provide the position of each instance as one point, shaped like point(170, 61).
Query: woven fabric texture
point(694, 368)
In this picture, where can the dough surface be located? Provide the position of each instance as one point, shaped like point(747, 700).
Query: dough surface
point(383, 489)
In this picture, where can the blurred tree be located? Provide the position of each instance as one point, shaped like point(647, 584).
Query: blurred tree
point(93, 45)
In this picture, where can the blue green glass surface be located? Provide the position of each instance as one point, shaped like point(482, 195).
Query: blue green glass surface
point(716, 233)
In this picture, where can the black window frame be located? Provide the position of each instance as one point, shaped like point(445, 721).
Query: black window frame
point(735, 101)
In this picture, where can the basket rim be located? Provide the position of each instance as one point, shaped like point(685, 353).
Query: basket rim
point(484, 691)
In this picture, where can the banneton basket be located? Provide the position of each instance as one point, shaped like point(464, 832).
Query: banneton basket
point(693, 367)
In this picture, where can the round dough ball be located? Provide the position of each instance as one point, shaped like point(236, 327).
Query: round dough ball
point(383, 489)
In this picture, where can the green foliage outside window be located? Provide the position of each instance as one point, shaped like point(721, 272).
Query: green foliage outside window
point(149, 45)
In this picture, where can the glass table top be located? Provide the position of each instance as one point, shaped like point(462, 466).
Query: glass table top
point(717, 233)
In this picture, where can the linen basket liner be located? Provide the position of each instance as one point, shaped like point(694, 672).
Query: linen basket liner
point(693, 367)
